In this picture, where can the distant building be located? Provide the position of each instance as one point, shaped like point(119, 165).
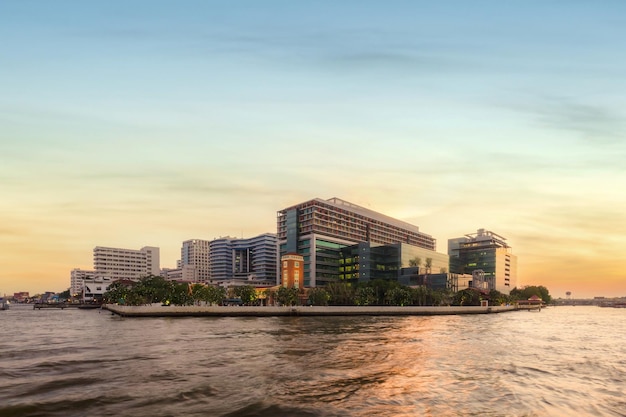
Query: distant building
point(21, 297)
point(251, 259)
point(292, 270)
point(117, 263)
point(194, 254)
point(487, 257)
point(94, 289)
point(185, 273)
point(77, 279)
point(318, 229)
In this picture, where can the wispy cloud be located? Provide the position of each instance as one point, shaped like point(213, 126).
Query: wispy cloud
point(595, 124)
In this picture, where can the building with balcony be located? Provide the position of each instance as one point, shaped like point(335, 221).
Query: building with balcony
point(318, 229)
point(487, 257)
point(117, 263)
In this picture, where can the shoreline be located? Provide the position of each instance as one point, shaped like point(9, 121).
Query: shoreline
point(302, 311)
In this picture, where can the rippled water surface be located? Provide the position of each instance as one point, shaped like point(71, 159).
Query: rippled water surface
point(563, 361)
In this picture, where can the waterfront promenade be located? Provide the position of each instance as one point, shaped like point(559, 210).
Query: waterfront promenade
point(243, 311)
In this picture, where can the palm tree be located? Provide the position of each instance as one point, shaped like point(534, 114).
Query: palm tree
point(428, 265)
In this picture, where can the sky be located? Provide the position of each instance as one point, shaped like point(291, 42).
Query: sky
point(147, 123)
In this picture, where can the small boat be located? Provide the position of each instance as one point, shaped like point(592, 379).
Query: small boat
point(4, 304)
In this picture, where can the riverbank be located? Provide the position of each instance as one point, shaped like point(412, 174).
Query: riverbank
point(242, 311)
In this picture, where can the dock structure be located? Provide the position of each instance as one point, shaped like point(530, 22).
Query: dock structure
point(265, 311)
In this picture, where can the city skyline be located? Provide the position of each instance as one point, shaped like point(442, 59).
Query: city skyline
point(148, 124)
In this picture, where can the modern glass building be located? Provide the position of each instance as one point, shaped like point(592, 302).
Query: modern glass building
point(244, 259)
point(487, 252)
point(365, 261)
point(319, 229)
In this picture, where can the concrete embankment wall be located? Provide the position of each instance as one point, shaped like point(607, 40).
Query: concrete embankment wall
point(242, 311)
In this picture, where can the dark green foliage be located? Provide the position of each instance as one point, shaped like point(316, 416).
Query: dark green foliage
point(318, 297)
point(287, 296)
point(340, 294)
point(247, 294)
point(528, 291)
point(364, 296)
point(467, 297)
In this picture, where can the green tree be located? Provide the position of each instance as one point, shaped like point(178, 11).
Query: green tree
point(155, 289)
point(117, 293)
point(180, 295)
point(528, 291)
point(318, 297)
point(341, 293)
point(380, 288)
point(247, 293)
point(496, 298)
point(467, 297)
point(427, 266)
point(419, 295)
point(364, 296)
point(215, 295)
point(416, 262)
point(398, 296)
point(199, 293)
point(287, 296)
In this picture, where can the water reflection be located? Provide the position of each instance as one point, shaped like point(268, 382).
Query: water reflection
point(559, 362)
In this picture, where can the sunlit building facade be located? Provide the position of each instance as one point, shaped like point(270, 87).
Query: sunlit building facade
point(117, 263)
point(486, 256)
point(292, 270)
point(319, 229)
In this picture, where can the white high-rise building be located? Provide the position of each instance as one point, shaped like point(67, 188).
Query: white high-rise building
point(195, 253)
point(117, 263)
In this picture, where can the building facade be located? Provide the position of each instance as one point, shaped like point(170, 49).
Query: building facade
point(487, 257)
point(77, 280)
point(195, 254)
point(94, 289)
point(252, 259)
point(117, 263)
point(318, 229)
point(292, 270)
point(366, 261)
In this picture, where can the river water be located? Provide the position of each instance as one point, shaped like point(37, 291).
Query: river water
point(562, 361)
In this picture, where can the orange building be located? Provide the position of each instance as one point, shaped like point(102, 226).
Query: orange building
point(292, 270)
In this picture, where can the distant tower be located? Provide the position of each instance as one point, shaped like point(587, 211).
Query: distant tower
point(568, 295)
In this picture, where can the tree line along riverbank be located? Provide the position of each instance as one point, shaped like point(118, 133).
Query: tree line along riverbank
point(376, 293)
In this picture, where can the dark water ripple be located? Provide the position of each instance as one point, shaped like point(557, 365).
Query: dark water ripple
point(561, 362)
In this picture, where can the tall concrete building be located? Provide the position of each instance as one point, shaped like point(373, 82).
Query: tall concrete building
point(318, 229)
point(244, 259)
point(487, 257)
point(195, 253)
point(117, 263)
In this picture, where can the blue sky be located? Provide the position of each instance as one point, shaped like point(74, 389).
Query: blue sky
point(131, 123)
